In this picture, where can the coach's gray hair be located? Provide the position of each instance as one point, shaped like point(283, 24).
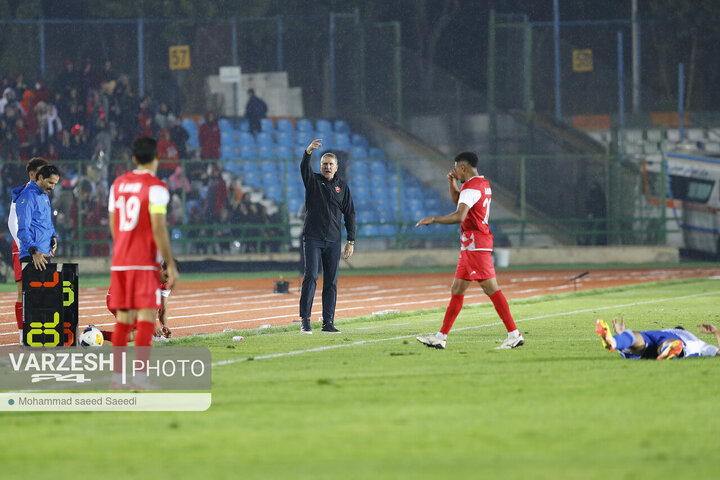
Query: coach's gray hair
point(329, 155)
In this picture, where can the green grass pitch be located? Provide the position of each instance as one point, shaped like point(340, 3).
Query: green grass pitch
point(374, 403)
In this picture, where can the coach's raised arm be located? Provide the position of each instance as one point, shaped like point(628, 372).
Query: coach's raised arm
point(327, 199)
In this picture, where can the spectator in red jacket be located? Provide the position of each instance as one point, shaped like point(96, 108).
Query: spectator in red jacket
point(168, 155)
point(209, 137)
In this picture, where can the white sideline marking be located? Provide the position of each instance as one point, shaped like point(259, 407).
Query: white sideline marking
point(364, 342)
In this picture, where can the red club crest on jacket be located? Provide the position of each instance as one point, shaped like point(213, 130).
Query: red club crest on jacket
point(337, 189)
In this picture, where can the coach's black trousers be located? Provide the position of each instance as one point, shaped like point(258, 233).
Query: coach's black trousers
point(317, 250)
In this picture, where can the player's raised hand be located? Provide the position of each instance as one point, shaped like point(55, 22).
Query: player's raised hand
point(425, 221)
point(619, 327)
point(317, 143)
point(709, 328)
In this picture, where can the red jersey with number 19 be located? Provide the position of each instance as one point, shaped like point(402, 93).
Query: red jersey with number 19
point(475, 232)
point(133, 197)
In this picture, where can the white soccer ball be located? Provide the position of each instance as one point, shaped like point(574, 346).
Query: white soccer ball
point(91, 337)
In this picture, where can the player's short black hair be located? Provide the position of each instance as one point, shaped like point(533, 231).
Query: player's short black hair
point(144, 149)
point(467, 157)
point(35, 163)
point(47, 171)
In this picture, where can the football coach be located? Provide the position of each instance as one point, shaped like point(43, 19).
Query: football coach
point(327, 197)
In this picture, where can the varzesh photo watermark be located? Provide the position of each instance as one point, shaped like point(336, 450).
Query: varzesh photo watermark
point(135, 378)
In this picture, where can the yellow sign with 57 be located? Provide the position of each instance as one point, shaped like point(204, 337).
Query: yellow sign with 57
point(179, 57)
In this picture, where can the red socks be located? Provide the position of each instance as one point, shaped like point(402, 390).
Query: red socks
point(119, 341)
point(120, 334)
point(18, 315)
point(144, 334)
point(503, 310)
point(453, 310)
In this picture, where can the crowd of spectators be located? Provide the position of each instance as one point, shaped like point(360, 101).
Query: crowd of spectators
point(89, 116)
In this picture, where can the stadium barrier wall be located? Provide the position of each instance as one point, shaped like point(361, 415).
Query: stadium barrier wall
point(441, 257)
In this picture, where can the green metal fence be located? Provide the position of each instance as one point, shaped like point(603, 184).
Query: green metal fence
point(535, 197)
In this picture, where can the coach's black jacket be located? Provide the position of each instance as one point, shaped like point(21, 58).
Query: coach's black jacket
point(325, 201)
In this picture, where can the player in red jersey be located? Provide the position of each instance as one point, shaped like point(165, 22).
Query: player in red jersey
point(476, 245)
point(32, 167)
point(138, 208)
point(162, 332)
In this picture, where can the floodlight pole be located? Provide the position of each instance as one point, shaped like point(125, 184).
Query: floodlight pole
point(635, 58)
point(556, 41)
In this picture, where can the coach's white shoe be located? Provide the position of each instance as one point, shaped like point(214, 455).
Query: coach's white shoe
point(512, 341)
point(436, 340)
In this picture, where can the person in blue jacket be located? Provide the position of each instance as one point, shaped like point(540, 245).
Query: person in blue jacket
point(36, 232)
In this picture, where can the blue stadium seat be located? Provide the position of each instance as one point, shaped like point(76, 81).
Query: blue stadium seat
point(243, 125)
point(294, 203)
point(304, 125)
point(246, 138)
point(365, 215)
point(248, 151)
point(268, 166)
point(360, 140)
point(360, 191)
point(226, 138)
point(358, 152)
point(267, 125)
point(189, 125)
point(265, 151)
point(283, 151)
point(284, 138)
point(254, 179)
point(342, 141)
point(387, 215)
point(356, 170)
point(298, 153)
point(324, 126)
point(272, 188)
point(380, 179)
point(341, 126)
point(285, 125)
point(225, 124)
point(388, 229)
point(233, 166)
point(264, 138)
point(269, 177)
point(227, 152)
point(375, 152)
point(378, 167)
point(193, 141)
point(250, 167)
point(369, 230)
point(304, 138)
